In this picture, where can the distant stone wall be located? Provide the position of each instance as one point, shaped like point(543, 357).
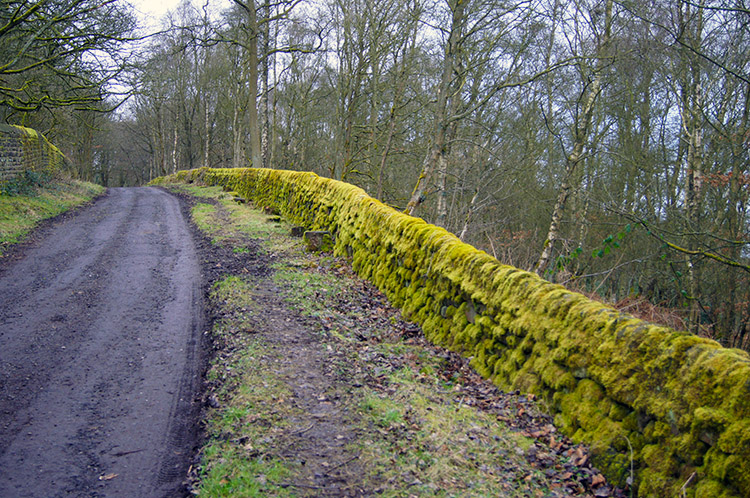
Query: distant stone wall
point(23, 149)
point(673, 405)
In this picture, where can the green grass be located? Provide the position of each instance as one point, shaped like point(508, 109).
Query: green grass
point(228, 223)
point(307, 289)
point(19, 214)
point(233, 474)
point(423, 444)
point(244, 431)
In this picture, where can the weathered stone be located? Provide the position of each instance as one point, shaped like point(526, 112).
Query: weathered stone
point(298, 231)
point(23, 149)
point(319, 241)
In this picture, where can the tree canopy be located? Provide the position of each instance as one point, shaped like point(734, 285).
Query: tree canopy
point(60, 53)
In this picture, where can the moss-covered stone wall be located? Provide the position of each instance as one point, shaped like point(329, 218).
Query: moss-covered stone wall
point(675, 403)
point(23, 149)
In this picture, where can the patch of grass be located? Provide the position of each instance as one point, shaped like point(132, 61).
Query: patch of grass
point(20, 213)
point(230, 222)
point(234, 295)
point(307, 289)
point(204, 216)
point(232, 474)
point(423, 444)
point(252, 411)
point(256, 224)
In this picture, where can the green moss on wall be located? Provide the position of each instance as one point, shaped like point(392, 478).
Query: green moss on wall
point(682, 403)
point(24, 149)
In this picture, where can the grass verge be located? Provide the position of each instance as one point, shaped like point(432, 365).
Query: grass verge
point(249, 413)
point(19, 214)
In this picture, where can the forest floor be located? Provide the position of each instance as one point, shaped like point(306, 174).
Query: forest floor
point(317, 387)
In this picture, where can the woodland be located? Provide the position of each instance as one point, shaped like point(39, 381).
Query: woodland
point(604, 144)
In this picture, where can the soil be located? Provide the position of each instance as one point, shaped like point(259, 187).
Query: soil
point(101, 324)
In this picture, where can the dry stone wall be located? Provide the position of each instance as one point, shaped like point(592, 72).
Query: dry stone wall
point(675, 405)
point(23, 149)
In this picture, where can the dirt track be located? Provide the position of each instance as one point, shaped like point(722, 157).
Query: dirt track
point(100, 330)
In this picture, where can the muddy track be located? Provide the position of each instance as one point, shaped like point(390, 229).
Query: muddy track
point(101, 322)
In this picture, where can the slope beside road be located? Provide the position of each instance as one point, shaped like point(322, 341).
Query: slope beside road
point(100, 329)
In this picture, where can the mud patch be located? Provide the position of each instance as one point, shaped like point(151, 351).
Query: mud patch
point(101, 321)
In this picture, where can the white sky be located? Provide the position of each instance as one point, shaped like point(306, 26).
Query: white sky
point(151, 11)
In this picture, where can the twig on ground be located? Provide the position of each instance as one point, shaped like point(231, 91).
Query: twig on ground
point(340, 465)
point(684, 486)
point(295, 485)
point(299, 433)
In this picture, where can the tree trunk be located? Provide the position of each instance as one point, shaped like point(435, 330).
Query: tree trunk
point(581, 135)
point(469, 213)
point(442, 121)
point(238, 138)
point(264, 101)
point(174, 152)
point(251, 48)
point(252, 87)
point(207, 137)
point(692, 126)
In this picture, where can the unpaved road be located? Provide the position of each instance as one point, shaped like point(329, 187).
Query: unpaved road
point(100, 327)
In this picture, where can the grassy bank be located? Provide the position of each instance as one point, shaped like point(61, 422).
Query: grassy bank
point(24, 205)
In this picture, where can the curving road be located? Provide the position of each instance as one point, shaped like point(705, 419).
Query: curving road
point(100, 327)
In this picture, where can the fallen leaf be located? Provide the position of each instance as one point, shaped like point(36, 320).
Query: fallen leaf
point(597, 480)
point(554, 444)
point(603, 492)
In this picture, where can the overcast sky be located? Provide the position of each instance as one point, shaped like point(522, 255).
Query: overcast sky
point(151, 11)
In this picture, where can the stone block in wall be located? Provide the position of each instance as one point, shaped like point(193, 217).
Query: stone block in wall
point(23, 149)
